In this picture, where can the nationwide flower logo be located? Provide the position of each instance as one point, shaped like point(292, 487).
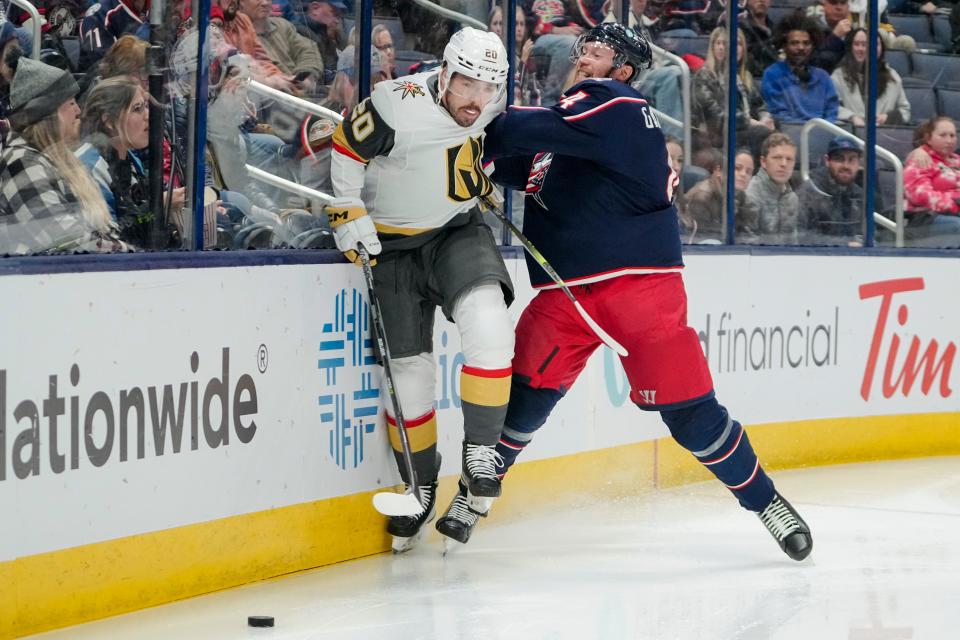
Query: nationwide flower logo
point(349, 402)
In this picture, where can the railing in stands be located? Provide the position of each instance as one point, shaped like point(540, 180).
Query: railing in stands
point(286, 185)
point(897, 225)
point(35, 24)
point(452, 15)
point(293, 101)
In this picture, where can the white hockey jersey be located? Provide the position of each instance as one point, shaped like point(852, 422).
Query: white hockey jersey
point(409, 161)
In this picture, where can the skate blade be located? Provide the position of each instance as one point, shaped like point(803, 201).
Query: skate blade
point(402, 545)
point(450, 545)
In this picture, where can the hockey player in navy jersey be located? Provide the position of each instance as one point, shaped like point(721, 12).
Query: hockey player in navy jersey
point(106, 21)
point(599, 206)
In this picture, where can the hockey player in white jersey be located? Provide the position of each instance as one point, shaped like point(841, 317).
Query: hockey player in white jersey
point(406, 174)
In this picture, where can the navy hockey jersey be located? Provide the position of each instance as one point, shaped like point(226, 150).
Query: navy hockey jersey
point(104, 23)
point(599, 187)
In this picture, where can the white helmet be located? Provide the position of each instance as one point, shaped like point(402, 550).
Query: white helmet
point(477, 54)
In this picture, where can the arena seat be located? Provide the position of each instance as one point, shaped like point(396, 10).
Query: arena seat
point(923, 103)
point(898, 140)
point(899, 61)
point(948, 102)
point(940, 70)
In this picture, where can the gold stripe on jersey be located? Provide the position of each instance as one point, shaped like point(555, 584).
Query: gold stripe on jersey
point(401, 231)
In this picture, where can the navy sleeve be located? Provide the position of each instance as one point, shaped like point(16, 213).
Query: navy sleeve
point(577, 126)
point(512, 171)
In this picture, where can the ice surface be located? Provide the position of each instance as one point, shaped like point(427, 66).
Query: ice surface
point(681, 563)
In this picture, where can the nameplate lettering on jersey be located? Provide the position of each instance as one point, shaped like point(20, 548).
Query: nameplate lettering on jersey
point(466, 179)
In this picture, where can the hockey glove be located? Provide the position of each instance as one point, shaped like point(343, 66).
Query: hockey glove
point(352, 227)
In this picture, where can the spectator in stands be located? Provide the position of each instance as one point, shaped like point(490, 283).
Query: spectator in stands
point(850, 80)
point(48, 202)
point(552, 17)
point(383, 42)
point(858, 14)
point(660, 84)
point(127, 57)
point(687, 18)
point(832, 18)
point(935, 188)
point(932, 185)
point(239, 32)
point(759, 31)
point(323, 24)
point(107, 21)
point(526, 89)
point(706, 201)
point(709, 112)
point(342, 95)
point(115, 122)
point(794, 90)
point(10, 49)
point(831, 201)
point(228, 108)
point(773, 210)
point(296, 55)
point(675, 153)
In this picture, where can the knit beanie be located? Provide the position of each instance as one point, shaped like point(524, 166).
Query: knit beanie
point(37, 91)
point(7, 31)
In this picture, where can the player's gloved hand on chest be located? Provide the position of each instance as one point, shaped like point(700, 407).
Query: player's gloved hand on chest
point(352, 227)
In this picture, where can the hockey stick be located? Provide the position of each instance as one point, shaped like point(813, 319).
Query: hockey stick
point(532, 250)
point(387, 502)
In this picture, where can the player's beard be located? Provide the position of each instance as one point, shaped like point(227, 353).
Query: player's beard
point(459, 115)
point(465, 119)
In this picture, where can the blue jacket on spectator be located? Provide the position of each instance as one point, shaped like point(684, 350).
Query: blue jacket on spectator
point(789, 101)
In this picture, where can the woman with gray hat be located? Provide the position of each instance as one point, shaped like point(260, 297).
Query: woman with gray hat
point(48, 201)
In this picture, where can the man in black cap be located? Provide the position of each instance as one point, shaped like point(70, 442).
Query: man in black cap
point(322, 23)
point(831, 201)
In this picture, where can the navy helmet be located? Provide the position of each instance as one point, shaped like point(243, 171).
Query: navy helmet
point(629, 46)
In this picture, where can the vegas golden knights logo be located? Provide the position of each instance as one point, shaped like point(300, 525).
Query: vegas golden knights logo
point(465, 177)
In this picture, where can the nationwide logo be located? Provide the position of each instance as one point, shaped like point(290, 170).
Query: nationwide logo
point(74, 426)
point(350, 402)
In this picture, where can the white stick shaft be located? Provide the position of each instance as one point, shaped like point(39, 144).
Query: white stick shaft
point(603, 335)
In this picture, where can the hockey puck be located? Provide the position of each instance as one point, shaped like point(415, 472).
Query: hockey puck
point(259, 621)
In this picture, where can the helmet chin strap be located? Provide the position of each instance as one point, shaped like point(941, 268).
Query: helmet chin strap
point(441, 85)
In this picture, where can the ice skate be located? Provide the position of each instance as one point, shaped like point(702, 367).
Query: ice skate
point(460, 518)
point(787, 528)
point(480, 470)
point(407, 531)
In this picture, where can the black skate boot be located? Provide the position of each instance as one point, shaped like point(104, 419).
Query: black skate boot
point(787, 528)
point(480, 471)
point(460, 518)
point(407, 531)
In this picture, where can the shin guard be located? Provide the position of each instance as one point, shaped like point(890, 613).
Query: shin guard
point(484, 394)
point(422, 435)
point(528, 411)
point(722, 446)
